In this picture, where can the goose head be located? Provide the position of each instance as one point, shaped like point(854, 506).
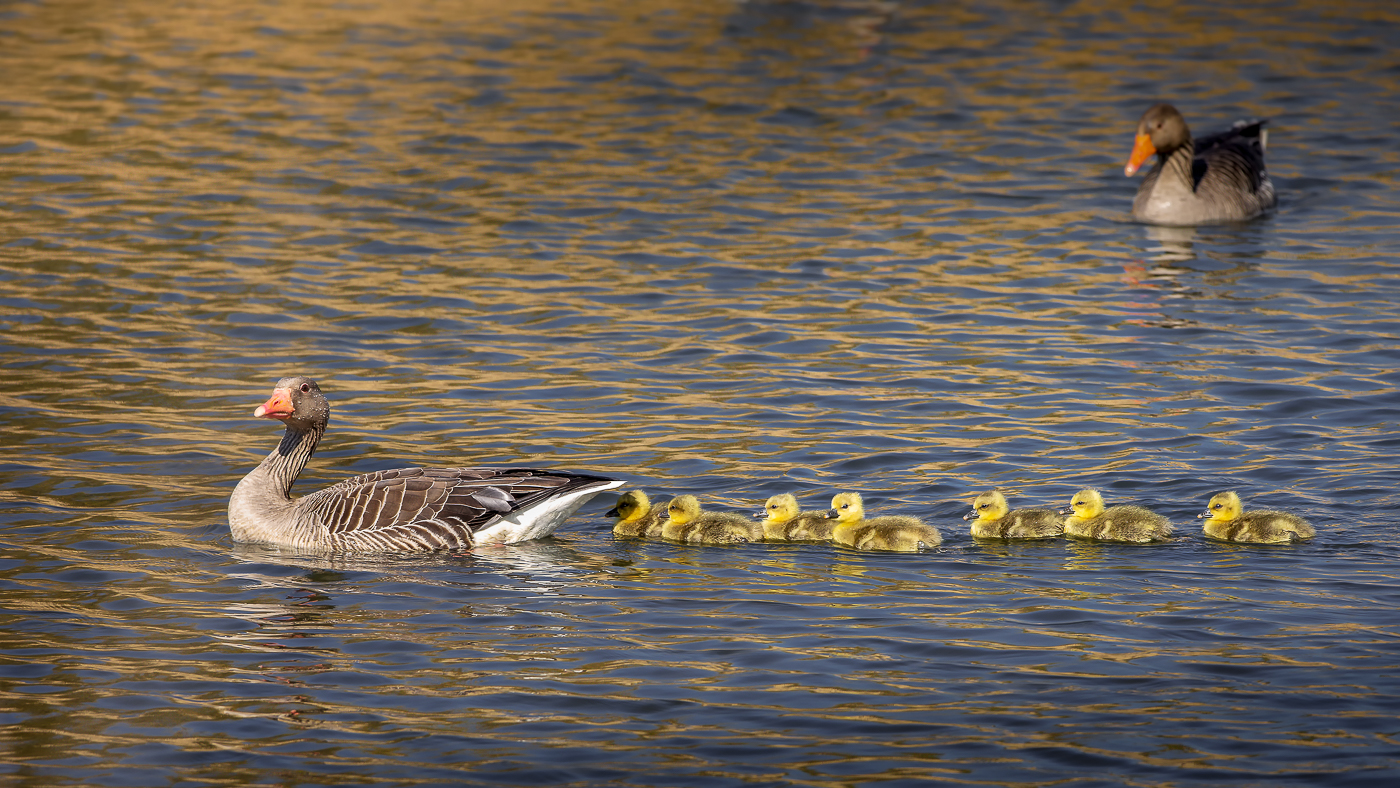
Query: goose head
point(1161, 131)
point(988, 506)
point(298, 403)
point(846, 508)
point(1223, 507)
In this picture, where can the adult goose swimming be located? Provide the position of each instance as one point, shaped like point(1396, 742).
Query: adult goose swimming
point(404, 510)
point(1220, 178)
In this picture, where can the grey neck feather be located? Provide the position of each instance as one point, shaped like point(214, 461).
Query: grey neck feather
point(261, 508)
point(1179, 163)
point(287, 461)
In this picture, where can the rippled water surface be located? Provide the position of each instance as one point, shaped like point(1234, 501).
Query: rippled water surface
point(723, 248)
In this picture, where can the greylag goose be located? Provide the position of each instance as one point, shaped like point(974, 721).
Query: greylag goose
point(995, 520)
point(1226, 520)
point(1088, 519)
point(404, 510)
point(896, 533)
point(783, 522)
point(687, 522)
point(636, 516)
point(1220, 178)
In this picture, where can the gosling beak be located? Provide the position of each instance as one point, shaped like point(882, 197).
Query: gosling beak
point(1143, 149)
point(763, 515)
point(1065, 511)
point(970, 515)
point(832, 514)
point(611, 513)
point(1204, 515)
point(278, 406)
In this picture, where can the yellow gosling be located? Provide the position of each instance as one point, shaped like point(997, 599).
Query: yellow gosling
point(782, 522)
point(636, 517)
point(1090, 520)
point(995, 520)
point(1225, 519)
point(686, 522)
point(895, 532)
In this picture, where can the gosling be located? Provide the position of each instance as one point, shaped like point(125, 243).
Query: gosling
point(782, 522)
point(995, 520)
point(1226, 520)
point(1090, 520)
point(636, 517)
point(895, 533)
point(686, 522)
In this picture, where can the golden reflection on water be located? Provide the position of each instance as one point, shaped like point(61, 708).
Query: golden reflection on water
point(720, 245)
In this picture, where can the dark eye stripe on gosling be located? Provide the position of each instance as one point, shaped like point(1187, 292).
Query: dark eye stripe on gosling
point(402, 510)
point(637, 516)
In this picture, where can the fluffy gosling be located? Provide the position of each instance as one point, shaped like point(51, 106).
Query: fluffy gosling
point(1226, 520)
point(1090, 520)
point(686, 522)
point(896, 533)
point(995, 520)
point(636, 517)
point(782, 522)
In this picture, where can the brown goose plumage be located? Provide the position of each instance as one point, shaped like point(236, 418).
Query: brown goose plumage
point(1220, 178)
point(403, 510)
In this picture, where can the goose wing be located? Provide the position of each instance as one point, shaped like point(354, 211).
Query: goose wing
point(438, 507)
point(1232, 160)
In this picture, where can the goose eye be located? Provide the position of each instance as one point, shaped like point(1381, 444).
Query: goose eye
point(306, 388)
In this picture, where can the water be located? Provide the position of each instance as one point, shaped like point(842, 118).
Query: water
point(719, 248)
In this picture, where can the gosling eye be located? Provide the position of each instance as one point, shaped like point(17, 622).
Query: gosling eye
point(1218, 506)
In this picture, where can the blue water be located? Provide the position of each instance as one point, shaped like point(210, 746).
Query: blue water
point(728, 249)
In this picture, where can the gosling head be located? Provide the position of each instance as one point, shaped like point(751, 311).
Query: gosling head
point(779, 509)
point(988, 506)
point(1223, 507)
point(630, 505)
point(683, 509)
point(846, 508)
point(1085, 504)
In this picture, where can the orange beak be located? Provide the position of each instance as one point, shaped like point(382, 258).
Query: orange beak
point(278, 406)
point(1142, 151)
